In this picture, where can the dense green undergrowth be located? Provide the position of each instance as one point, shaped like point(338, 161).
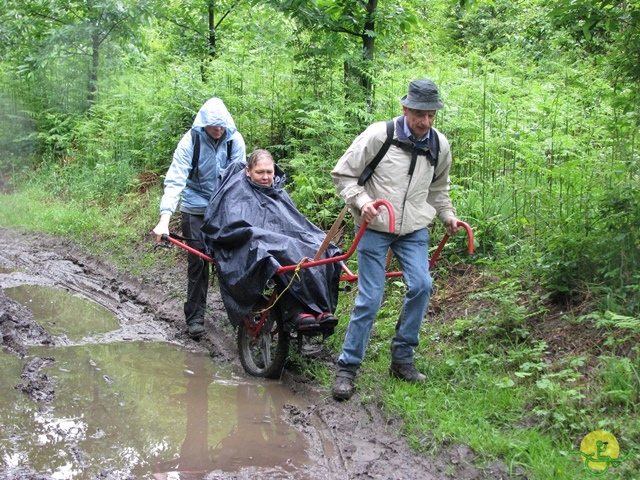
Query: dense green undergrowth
point(510, 374)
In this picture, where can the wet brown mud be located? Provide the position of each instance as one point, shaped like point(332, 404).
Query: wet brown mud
point(190, 412)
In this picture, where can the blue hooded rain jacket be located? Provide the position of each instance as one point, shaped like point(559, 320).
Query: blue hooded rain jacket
point(197, 191)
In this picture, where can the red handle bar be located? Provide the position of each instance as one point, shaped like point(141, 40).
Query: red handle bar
point(436, 254)
point(305, 264)
point(167, 238)
point(339, 258)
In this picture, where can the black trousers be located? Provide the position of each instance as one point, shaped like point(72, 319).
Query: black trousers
point(197, 270)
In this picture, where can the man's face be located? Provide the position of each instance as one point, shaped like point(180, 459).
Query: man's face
point(262, 173)
point(419, 121)
point(214, 132)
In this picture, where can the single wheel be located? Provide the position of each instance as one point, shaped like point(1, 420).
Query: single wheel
point(265, 354)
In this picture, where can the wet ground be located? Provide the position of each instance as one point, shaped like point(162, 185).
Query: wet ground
point(100, 381)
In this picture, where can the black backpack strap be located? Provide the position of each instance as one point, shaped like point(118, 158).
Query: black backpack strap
point(368, 171)
point(434, 161)
point(196, 153)
point(407, 147)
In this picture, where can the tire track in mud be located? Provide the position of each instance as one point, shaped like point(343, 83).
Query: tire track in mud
point(348, 440)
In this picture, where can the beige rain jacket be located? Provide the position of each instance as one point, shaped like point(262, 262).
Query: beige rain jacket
point(415, 201)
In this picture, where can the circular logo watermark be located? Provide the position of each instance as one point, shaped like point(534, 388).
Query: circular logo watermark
point(599, 451)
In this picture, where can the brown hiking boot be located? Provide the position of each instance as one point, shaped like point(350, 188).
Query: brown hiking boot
point(342, 387)
point(407, 372)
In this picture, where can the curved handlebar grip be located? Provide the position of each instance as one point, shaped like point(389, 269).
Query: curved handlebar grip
point(470, 240)
point(462, 224)
point(392, 215)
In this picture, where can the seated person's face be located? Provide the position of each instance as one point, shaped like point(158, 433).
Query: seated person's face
point(261, 173)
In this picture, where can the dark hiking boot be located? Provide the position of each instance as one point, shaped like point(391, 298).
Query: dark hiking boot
point(342, 387)
point(195, 329)
point(407, 372)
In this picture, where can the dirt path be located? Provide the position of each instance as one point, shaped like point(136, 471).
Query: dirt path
point(349, 440)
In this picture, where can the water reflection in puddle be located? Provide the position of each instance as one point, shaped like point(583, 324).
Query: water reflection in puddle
point(137, 409)
point(59, 312)
point(144, 408)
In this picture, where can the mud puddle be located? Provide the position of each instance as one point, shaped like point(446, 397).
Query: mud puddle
point(144, 410)
point(64, 315)
point(145, 401)
point(98, 404)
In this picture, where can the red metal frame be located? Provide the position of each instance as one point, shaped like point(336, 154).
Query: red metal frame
point(254, 329)
point(180, 244)
point(347, 276)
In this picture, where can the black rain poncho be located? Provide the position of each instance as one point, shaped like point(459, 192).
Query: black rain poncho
point(251, 231)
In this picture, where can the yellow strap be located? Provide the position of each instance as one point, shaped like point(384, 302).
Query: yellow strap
point(293, 277)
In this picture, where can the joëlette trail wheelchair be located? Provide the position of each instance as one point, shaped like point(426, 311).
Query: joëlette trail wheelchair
point(263, 338)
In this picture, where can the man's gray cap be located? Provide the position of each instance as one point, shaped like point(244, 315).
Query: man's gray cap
point(422, 95)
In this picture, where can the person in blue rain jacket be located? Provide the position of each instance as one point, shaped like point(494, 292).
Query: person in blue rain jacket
point(202, 155)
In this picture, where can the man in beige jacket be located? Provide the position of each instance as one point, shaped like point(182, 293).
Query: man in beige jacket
point(413, 176)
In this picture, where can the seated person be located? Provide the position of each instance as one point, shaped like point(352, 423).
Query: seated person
point(252, 228)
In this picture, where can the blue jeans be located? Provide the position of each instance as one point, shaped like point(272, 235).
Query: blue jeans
point(412, 253)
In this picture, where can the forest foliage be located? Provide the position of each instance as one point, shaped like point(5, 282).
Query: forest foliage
point(541, 108)
point(542, 105)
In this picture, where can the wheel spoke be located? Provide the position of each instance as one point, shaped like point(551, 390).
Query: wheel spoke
point(266, 349)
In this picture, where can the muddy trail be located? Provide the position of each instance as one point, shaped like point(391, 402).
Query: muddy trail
point(304, 433)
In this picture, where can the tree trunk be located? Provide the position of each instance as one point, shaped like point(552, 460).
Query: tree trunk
point(212, 31)
point(368, 44)
point(360, 71)
point(93, 70)
point(211, 42)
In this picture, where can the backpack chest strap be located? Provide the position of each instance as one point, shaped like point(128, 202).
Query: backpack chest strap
point(415, 152)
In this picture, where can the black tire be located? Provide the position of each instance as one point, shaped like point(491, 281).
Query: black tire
point(265, 355)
